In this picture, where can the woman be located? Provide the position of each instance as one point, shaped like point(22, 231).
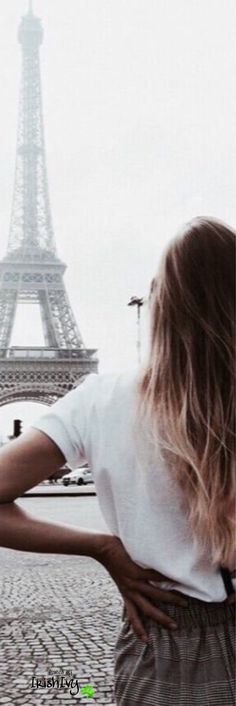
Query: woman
point(161, 445)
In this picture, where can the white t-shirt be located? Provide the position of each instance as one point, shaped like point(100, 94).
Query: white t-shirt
point(139, 500)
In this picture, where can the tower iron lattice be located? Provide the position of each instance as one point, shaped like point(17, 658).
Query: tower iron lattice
point(31, 270)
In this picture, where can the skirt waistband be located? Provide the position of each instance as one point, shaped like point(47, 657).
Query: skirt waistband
point(195, 613)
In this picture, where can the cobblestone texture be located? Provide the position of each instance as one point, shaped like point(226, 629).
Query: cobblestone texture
point(58, 615)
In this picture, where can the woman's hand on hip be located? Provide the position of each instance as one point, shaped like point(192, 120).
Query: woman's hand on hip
point(134, 585)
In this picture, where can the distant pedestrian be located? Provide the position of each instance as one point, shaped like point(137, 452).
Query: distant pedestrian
point(161, 443)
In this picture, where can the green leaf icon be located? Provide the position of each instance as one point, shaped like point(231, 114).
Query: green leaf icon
point(87, 690)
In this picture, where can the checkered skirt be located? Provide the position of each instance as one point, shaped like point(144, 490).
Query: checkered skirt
point(193, 665)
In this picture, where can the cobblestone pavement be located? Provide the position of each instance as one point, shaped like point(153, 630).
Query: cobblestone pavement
point(60, 616)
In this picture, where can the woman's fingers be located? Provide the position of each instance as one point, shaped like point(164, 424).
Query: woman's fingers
point(153, 612)
point(158, 593)
point(135, 621)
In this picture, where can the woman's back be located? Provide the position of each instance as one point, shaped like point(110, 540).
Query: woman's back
point(140, 500)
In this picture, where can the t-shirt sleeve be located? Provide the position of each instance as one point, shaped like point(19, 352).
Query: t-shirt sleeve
point(67, 421)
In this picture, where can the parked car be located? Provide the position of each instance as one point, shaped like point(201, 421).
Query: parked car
point(81, 476)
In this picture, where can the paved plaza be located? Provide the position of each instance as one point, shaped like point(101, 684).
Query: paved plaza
point(60, 618)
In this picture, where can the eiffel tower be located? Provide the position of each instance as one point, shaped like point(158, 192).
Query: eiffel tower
point(31, 270)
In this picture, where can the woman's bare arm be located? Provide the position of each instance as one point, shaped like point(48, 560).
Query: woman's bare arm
point(20, 530)
point(25, 462)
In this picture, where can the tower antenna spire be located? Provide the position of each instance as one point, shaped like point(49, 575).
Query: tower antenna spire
point(30, 8)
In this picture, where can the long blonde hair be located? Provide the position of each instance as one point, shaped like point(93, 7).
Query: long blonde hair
point(187, 389)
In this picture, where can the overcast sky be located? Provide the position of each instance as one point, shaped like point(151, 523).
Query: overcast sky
point(140, 114)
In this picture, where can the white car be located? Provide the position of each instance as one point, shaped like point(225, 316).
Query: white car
point(81, 476)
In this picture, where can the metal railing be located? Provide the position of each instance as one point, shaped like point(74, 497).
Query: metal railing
point(37, 352)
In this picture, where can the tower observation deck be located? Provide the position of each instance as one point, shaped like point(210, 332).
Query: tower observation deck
point(31, 270)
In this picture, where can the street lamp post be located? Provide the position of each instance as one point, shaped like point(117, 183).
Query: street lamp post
point(138, 302)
